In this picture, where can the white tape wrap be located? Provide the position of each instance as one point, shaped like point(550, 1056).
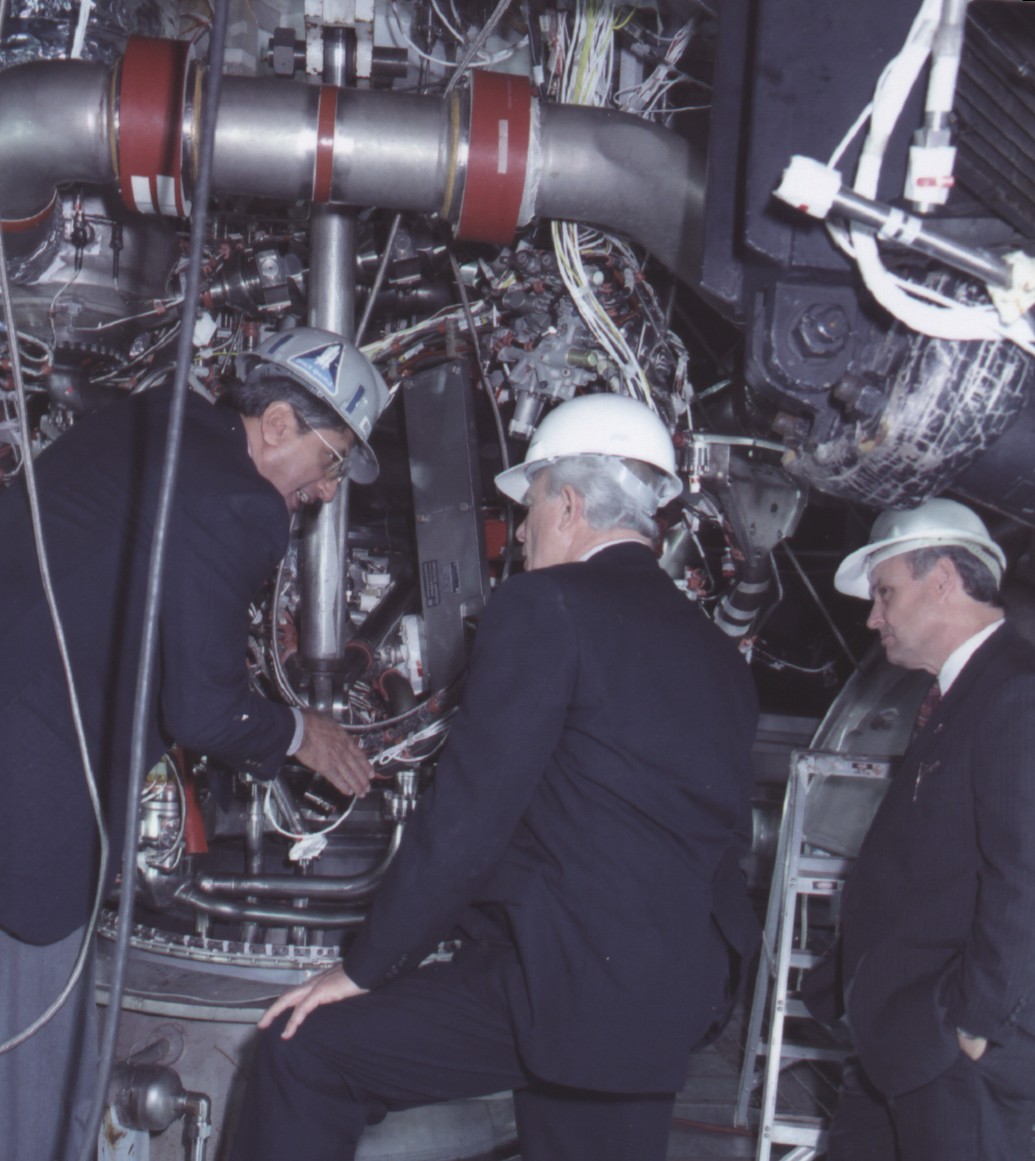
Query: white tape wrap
point(809, 186)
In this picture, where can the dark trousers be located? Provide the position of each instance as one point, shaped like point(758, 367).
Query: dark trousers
point(983, 1110)
point(441, 1033)
point(47, 1083)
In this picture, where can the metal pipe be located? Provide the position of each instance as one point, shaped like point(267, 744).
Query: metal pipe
point(819, 190)
point(912, 233)
point(379, 148)
point(332, 306)
point(197, 1111)
point(286, 805)
point(55, 127)
point(403, 597)
point(268, 915)
point(617, 171)
point(322, 633)
point(389, 149)
point(254, 841)
point(332, 888)
point(332, 269)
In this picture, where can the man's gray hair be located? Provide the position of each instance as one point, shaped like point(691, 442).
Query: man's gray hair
point(607, 485)
point(976, 577)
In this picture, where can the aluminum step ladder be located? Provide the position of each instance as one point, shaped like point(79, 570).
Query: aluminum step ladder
point(829, 804)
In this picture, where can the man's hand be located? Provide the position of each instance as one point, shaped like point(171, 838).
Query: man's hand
point(327, 988)
point(973, 1046)
point(331, 752)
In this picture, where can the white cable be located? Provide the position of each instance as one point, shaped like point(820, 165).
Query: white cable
point(394, 753)
point(267, 810)
point(909, 302)
point(647, 99)
point(586, 53)
point(83, 20)
point(576, 280)
point(453, 32)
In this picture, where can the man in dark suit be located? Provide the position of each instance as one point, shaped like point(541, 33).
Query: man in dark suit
point(283, 439)
point(937, 949)
point(581, 838)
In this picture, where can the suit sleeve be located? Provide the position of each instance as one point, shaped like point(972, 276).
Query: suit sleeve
point(518, 691)
point(996, 977)
point(220, 552)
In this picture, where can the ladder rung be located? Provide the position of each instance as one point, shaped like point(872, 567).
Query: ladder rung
point(796, 1010)
point(824, 867)
point(806, 1131)
point(791, 1052)
point(805, 959)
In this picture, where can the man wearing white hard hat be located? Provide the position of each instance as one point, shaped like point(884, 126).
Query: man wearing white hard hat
point(937, 947)
point(581, 840)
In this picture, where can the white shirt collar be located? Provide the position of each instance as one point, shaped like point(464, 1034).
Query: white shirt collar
point(962, 654)
point(608, 544)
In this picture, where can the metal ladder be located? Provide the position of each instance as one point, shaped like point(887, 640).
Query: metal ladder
point(829, 803)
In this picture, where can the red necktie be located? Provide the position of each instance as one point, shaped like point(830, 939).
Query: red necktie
point(927, 707)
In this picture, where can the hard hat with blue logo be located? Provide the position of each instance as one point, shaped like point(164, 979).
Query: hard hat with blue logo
point(335, 371)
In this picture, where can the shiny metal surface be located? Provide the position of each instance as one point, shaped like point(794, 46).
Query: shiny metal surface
point(265, 143)
point(391, 150)
point(55, 123)
point(614, 170)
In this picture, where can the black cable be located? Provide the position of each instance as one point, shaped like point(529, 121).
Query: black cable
point(145, 678)
point(382, 269)
point(824, 612)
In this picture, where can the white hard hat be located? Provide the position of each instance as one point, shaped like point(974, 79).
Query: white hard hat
point(935, 523)
point(606, 425)
point(334, 371)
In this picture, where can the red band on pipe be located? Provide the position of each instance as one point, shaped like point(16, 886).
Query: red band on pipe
point(323, 169)
point(21, 225)
point(150, 126)
point(501, 120)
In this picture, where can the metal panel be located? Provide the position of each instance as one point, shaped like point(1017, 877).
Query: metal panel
point(454, 575)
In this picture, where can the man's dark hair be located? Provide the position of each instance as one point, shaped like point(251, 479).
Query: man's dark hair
point(252, 396)
point(976, 577)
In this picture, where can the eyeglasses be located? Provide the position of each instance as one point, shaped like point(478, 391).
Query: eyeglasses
point(339, 469)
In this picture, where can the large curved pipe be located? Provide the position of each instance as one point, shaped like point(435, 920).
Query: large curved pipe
point(615, 170)
point(55, 128)
point(63, 121)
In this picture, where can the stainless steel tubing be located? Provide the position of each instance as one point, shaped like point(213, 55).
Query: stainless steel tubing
point(614, 170)
point(265, 139)
point(55, 126)
point(332, 306)
point(390, 150)
point(334, 888)
point(268, 915)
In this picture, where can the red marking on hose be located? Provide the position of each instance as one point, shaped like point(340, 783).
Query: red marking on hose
point(21, 225)
point(150, 125)
point(323, 168)
point(501, 127)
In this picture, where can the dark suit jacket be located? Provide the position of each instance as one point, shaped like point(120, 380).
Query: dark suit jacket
point(98, 486)
point(587, 810)
point(938, 924)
